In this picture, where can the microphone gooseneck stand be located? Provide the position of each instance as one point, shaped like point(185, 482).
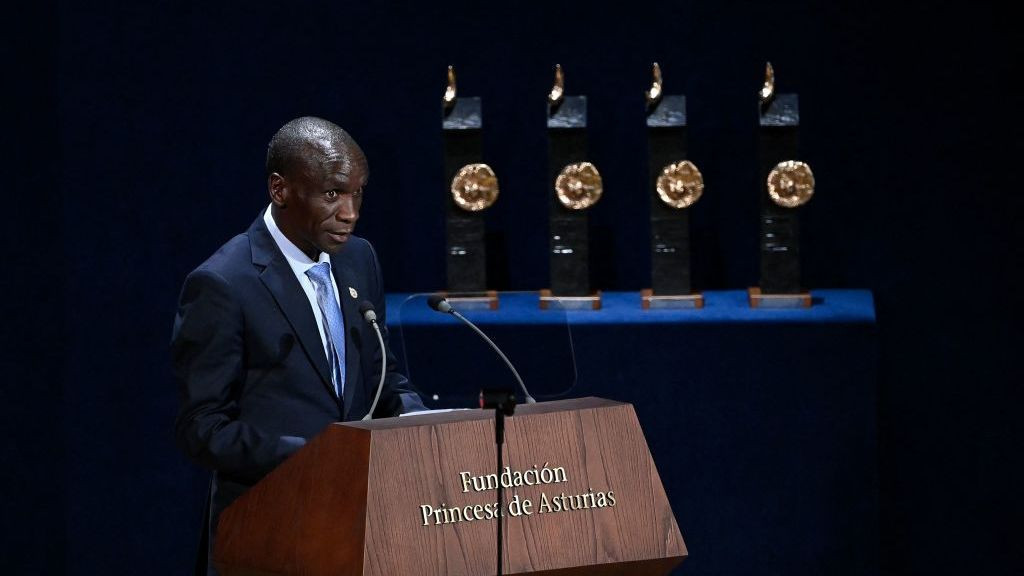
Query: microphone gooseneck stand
point(370, 316)
point(499, 440)
point(504, 404)
point(502, 401)
point(440, 304)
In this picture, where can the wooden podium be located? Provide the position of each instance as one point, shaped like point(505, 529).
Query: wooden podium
point(415, 496)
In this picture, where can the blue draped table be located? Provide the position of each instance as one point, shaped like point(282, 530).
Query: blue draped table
point(762, 422)
point(830, 306)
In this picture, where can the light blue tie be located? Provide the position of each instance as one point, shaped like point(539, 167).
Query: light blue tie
point(320, 274)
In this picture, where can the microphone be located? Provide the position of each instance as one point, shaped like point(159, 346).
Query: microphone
point(440, 304)
point(367, 312)
point(370, 316)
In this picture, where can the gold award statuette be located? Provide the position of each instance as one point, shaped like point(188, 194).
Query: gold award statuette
point(680, 184)
point(791, 183)
point(767, 91)
point(579, 186)
point(450, 90)
point(475, 187)
point(653, 94)
point(557, 93)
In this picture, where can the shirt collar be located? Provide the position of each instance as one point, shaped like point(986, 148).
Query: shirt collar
point(297, 259)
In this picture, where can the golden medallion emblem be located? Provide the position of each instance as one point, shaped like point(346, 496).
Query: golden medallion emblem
point(579, 186)
point(790, 183)
point(680, 184)
point(475, 187)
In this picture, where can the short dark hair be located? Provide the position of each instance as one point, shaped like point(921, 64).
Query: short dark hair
point(300, 140)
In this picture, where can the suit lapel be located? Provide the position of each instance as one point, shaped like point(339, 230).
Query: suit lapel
point(350, 310)
point(280, 280)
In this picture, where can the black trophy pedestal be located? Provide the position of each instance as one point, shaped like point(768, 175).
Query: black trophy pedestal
point(668, 146)
point(779, 286)
point(780, 261)
point(465, 231)
point(569, 243)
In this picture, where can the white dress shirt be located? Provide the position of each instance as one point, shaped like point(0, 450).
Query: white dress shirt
point(299, 262)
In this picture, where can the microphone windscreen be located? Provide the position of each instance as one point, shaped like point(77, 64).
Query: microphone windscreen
point(367, 312)
point(435, 302)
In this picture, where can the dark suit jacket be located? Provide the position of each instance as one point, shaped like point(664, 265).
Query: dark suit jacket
point(250, 365)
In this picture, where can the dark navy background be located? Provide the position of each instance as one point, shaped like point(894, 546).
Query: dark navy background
point(137, 148)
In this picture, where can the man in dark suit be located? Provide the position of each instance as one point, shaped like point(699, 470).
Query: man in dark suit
point(269, 346)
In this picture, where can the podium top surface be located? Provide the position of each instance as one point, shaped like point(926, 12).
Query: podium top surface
point(430, 419)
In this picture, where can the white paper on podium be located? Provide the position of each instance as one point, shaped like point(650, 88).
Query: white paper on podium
point(438, 411)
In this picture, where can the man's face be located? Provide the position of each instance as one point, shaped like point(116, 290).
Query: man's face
point(319, 206)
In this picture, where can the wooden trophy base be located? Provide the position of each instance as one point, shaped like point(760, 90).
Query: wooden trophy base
point(648, 300)
point(592, 302)
point(759, 300)
point(484, 301)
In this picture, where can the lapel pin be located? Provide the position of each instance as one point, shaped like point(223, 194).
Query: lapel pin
point(353, 292)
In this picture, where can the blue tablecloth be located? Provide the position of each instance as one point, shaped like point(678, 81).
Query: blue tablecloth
point(762, 422)
point(829, 306)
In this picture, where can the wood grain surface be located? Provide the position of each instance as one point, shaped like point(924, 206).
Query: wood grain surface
point(350, 501)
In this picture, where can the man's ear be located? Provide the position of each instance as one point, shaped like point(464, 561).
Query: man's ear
point(278, 189)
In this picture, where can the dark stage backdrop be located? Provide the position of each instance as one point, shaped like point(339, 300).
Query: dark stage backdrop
point(139, 134)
